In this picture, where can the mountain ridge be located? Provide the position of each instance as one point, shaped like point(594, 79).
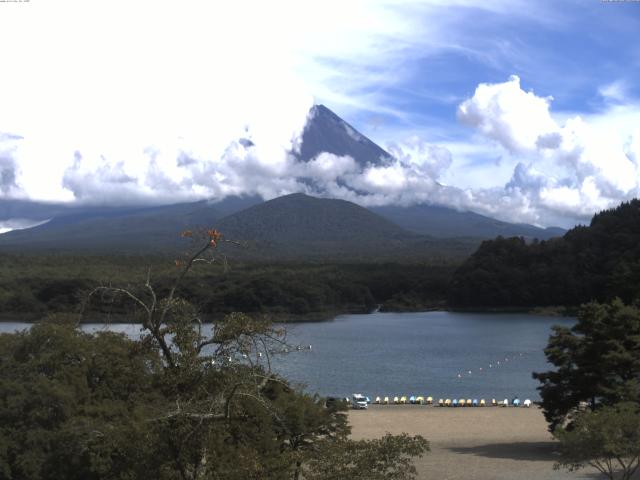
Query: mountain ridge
point(136, 229)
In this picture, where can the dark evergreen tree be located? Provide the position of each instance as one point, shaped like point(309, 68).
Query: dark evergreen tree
point(597, 361)
point(598, 262)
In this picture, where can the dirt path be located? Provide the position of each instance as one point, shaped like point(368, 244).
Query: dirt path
point(471, 443)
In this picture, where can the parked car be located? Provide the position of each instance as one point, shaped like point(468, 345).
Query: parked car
point(359, 401)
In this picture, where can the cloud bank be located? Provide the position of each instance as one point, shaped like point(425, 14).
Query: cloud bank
point(571, 168)
point(563, 171)
point(159, 102)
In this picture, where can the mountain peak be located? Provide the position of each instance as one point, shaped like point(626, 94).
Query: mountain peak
point(327, 132)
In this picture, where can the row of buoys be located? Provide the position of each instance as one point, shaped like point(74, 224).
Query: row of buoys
point(420, 400)
point(494, 364)
point(298, 348)
point(245, 356)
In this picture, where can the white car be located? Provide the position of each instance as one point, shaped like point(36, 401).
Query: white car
point(359, 402)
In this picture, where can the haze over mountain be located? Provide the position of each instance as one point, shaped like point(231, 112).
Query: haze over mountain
point(304, 224)
point(121, 229)
point(439, 221)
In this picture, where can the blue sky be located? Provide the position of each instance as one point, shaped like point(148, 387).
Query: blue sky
point(525, 111)
point(566, 49)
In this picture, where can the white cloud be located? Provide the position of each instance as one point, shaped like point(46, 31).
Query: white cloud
point(115, 80)
point(614, 91)
point(433, 160)
point(9, 168)
point(571, 169)
point(147, 102)
point(506, 113)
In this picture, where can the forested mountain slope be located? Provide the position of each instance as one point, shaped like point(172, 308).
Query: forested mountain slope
point(595, 262)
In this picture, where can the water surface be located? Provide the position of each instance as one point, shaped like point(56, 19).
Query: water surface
point(428, 353)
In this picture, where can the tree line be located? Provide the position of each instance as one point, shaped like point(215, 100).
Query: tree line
point(591, 399)
point(38, 285)
point(596, 262)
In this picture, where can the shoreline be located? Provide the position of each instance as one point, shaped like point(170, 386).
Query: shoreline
point(314, 317)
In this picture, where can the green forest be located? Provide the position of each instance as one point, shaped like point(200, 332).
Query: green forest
point(596, 262)
point(35, 285)
point(178, 403)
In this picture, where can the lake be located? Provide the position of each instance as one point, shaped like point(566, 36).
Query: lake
point(442, 354)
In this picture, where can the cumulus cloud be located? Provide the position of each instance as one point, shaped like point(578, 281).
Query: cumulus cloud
point(199, 104)
point(572, 168)
point(562, 170)
point(433, 160)
point(504, 112)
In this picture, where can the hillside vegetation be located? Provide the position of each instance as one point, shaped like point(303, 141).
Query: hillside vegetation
point(31, 286)
point(596, 262)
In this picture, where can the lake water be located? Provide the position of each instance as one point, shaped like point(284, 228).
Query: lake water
point(442, 354)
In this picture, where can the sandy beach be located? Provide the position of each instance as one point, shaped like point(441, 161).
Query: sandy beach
point(489, 443)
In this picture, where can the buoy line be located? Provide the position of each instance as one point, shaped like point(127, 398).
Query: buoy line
point(493, 365)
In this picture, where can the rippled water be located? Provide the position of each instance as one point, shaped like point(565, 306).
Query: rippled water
point(428, 353)
point(422, 354)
